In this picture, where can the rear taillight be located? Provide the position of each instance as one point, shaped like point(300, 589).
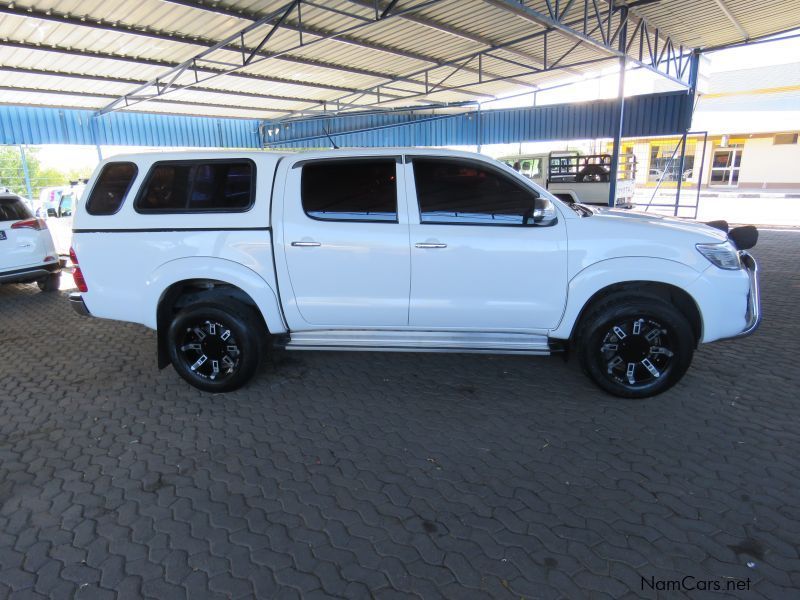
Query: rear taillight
point(37, 224)
point(77, 275)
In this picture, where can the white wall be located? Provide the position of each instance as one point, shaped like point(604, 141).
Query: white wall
point(764, 162)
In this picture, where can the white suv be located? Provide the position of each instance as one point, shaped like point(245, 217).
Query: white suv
point(228, 254)
point(27, 253)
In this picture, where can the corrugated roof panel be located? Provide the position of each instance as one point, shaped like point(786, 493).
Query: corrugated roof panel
point(443, 31)
point(39, 125)
point(701, 23)
point(655, 114)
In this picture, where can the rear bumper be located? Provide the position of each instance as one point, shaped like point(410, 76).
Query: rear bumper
point(78, 305)
point(30, 274)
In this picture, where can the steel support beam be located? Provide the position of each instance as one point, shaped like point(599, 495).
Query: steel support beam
point(461, 61)
point(100, 96)
point(25, 172)
point(304, 29)
point(619, 118)
point(313, 102)
point(693, 75)
point(170, 65)
point(462, 34)
point(138, 82)
point(681, 167)
point(583, 27)
point(174, 80)
point(57, 17)
point(605, 43)
point(734, 21)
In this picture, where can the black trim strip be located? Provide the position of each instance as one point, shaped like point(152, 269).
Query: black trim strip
point(358, 158)
point(54, 267)
point(171, 229)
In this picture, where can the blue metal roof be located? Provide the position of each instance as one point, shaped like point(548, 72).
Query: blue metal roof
point(42, 125)
point(646, 115)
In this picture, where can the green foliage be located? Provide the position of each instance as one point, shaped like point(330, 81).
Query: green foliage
point(12, 175)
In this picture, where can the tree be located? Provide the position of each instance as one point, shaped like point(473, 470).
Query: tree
point(12, 174)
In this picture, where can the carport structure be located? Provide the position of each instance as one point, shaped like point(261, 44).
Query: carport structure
point(293, 62)
point(279, 59)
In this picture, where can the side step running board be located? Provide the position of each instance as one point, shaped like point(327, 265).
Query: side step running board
point(419, 341)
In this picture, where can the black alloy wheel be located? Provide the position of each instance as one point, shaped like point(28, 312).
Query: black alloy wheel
point(216, 347)
point(637, 351)
point(635, 347)
point(210, 350)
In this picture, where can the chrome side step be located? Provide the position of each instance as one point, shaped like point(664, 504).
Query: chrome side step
point(419, 341)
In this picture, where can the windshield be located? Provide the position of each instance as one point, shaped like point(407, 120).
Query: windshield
point(14, 209)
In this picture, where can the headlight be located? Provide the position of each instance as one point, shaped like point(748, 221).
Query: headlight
point(724, 255)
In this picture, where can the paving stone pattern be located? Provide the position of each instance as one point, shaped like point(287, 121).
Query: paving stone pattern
point(359, 475)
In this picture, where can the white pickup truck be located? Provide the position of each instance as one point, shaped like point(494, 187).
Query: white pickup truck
point(230, 254)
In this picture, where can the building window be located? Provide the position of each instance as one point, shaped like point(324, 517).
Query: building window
point(665, 161)
point(198, 186)
point(784, 138)
point(725, 166)
point(350, 190)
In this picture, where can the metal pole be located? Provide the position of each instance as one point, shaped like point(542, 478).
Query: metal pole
point(681, 167)
point(661, 178)
point(95, 136)
point(620, 116)
point(25, 171)
point(700, 174)
point(694, 67)
point(478, 128)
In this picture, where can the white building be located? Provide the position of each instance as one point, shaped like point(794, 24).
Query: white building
point(752, 120)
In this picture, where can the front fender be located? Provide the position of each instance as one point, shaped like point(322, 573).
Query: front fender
point(206, 267)
point(605, 273)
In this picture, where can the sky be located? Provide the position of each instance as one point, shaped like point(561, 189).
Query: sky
point(597, 85)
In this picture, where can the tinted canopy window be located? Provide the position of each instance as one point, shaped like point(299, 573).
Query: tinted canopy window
point(14, 209)
point(464, 192)
point(111, 187)
point(358, 190)
point(217, 186)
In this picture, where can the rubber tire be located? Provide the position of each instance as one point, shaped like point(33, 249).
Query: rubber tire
point(599, 320)
point(593, 170)
point(247, 328)
point(51, 283)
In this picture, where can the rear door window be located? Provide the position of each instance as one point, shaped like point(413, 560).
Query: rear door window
point(351, 190)
point(198, 186)
point(111, 187)
point(14, 209)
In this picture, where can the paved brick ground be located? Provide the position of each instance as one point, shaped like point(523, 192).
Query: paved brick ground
point(358, 475)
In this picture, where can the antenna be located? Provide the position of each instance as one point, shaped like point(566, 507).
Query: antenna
point(334, 144)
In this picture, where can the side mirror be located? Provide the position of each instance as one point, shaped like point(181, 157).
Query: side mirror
point(544, 213)
point(744, 237)
point(51, 212)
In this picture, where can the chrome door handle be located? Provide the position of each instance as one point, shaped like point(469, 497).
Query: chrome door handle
point(305, 244)
point(429, 245)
